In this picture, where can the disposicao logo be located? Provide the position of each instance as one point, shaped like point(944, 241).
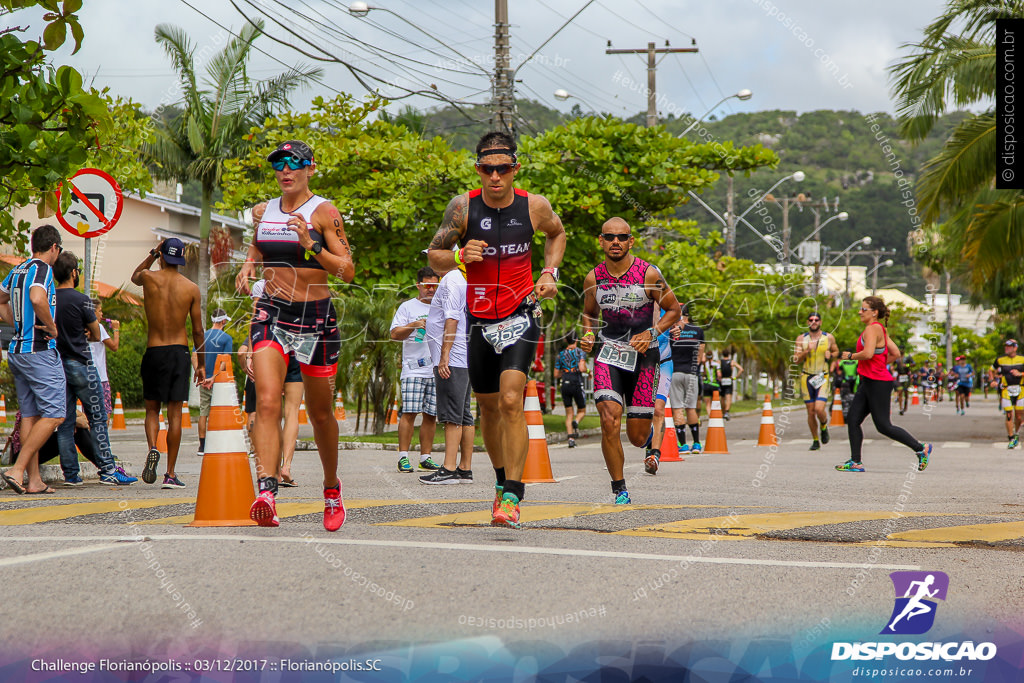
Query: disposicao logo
point(917, 595)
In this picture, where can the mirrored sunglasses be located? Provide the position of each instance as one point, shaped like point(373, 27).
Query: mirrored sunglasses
point(291, 162)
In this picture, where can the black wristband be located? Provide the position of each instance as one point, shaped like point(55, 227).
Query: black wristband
point(154, 252)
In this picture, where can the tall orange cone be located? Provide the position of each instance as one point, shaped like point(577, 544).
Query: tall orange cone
point(186, 417)
point(161, 437)
point(393, 414)
point(537, 469)
point(915, 400)
point(715, 440)
point(766, 437)
point(3, 410)
point(303, 420)
point(118, 421)
point(669, 445)
point(837, 411)
point(226, 490)
point(339, 408)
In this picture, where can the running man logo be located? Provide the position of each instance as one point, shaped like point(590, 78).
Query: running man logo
point(914, 611)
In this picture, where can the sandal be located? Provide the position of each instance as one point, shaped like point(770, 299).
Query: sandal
point(287, 482)
point(46, 490)
point(14, 484)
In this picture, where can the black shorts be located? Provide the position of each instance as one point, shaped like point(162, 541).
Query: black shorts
point(725, 390)
point(709, 390)
point(453, 398)
point(635, 390)
point(963, 390)
point(165, 373)
point(486, 364)
point(572, 392)
point(299, 317)
point(250, 395)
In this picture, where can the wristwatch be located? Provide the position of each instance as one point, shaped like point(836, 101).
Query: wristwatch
point(553, 272)
point(154, 252)
point(316, 248)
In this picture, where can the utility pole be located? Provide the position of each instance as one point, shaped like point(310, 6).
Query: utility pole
point(730, 217)
point(949, 322)
point(652, 66)
point(503, 100)
point(801, 201)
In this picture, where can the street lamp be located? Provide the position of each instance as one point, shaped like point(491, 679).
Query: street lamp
point(843, 216)
point(562, 95)
point(744, 94)
point(866, 240)
point(874, 284)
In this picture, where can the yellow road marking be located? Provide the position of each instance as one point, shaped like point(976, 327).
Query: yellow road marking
point(984, 533)
point(535, 513)
point(52, 513)
point(741, 527)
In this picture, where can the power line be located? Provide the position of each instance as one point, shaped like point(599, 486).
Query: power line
point(670, 26)
point(692, 87)
point(619, 16)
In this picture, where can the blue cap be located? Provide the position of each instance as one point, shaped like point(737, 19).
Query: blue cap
point(173, 251)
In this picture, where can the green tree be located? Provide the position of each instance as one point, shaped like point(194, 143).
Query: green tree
point(216, 117)
point(955, 63)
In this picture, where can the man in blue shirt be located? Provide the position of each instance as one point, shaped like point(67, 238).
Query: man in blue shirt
point(216, 341)
point(28, 301)
point(570, 368)
point(965, 382)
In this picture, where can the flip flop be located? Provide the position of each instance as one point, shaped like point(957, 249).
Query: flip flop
point(46, 490)
point(287, 482)
point(14, 484)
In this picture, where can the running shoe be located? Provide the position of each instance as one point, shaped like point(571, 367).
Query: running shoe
point(572, 442)
point(651, 462)
point(498, 489)
point(922, 457)
point(622, 498)
point(172, 482)
point(152, 460)
point(851, 466)
point(440, 476)
point(464, 476)
point(575, 429)
point(73, 481)
point(825, 438)
point(264, 510)
point(124, 474)
point(684, 448)
point(1014, 442)
point(403, 464)
point(507, 513)
point(334, 509)
point(116, 478)
point(815, 446)
point(696, 447)
point(725, 416)
point(429, 465)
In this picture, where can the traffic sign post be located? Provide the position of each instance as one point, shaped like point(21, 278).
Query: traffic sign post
point(96, 204)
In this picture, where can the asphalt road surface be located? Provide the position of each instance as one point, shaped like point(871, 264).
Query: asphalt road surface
point(757, 545)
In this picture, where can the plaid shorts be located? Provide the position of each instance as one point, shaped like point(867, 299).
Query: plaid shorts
point(419, 395)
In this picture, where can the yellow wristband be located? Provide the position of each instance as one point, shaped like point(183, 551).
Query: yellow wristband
point(458, 257)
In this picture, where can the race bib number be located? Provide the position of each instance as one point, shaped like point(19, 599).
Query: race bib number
point(621, 356)
point(817, 380)
point(303, 345)
point(727, 381)
point(1013, 390)
point(506, 333)
point(904, 378)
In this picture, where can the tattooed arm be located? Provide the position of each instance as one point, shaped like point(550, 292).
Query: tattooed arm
point(337, 257)
point(453, 227)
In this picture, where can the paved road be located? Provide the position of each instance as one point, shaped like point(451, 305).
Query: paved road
point(711, 550)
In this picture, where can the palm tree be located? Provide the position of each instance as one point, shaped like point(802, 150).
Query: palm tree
point(955, 64)
point(216, 118)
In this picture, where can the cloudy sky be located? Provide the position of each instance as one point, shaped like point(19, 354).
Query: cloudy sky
point(793, 54)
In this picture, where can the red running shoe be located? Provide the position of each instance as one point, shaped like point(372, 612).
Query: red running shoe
point(334, 508)
point(264, 510)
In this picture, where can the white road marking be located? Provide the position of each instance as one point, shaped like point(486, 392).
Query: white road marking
point(956, 444)
point(56, 554)
point(522, 550)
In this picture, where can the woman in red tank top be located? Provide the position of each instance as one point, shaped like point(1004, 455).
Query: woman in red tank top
point(874, 395)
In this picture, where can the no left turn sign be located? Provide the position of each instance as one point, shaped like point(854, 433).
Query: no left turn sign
point(96, 203)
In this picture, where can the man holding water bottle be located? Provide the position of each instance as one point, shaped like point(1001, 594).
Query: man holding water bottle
point(418, 392)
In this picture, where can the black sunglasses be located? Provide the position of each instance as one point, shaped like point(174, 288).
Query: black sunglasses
point(489, 169)
point(814, 320)
point(611, 237)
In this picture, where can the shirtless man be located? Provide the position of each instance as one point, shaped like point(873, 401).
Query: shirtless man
point(170, 299)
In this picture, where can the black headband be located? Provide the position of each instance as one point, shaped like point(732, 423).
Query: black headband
point(496, 150)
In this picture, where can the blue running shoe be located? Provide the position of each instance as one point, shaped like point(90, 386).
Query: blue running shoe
point(403, 464)
point(850, 466)
point(117, 478)
point(622, 498)
point(684, 448)
point(696, 448)
point(922, 456)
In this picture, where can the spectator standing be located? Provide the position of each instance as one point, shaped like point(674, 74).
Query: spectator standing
point(108, 340)
point(409, 326)
point(216, 341)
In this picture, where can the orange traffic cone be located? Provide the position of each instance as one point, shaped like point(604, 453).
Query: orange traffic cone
point(837, 411)
point(766, 437)
point(715, 439)
point(537, 469)
point(161, 438)
point(186, 417)
point(3, 410)
point(915, 400)
point(303, 420)
point(393, 414)
point(226, 491)
point(669, 445)
point(339, 408)
point(118, 422)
